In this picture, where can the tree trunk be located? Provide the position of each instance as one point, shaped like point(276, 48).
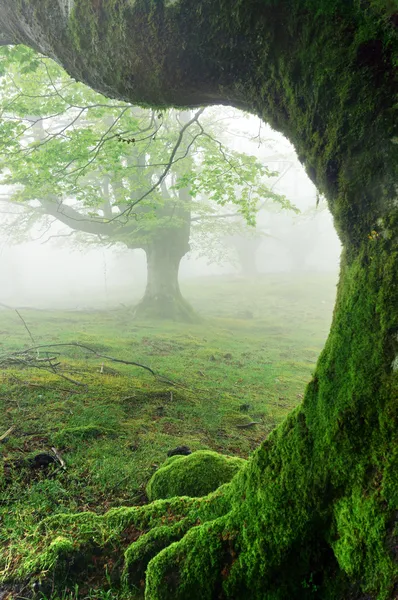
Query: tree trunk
point(167, 246)
point(314, 513)
point(163, 298)
point(246, 250)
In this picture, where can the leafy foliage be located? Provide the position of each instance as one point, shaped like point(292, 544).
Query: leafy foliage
point(112, 171)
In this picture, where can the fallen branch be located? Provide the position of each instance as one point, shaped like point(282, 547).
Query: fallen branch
point(25, 325)
point(7, 433)
point(16, 357)
point(19, 354)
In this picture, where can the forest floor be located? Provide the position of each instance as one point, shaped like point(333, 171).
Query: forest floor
point(248, 360)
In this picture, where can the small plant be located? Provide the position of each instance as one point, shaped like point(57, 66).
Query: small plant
point(309, 584)
point(76, 594)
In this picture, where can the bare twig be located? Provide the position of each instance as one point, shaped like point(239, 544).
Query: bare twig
point(169, 164)
point(25, 325)
point(7, 433)
point(58, 457)
point(17, 356)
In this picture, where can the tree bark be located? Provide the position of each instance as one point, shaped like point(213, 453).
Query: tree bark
point(314, 511)
point(163, 298)
point(164, 251)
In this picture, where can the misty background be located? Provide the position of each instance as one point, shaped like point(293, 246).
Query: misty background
point(51, 270)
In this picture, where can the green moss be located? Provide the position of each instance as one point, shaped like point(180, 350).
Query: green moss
point(75, 435)
point(362, 524)
point(60, 547)
point(195, 475)
point(138, 555)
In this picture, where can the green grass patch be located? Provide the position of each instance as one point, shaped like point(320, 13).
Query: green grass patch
point(114, 429)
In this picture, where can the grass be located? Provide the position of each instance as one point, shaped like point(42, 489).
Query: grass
point(249, 360)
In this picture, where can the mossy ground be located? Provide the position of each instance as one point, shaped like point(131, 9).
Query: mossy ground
point(115, 434)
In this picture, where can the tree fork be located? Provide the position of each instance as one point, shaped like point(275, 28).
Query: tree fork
point(314, 511)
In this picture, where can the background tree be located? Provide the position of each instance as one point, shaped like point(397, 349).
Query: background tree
point(122, 174)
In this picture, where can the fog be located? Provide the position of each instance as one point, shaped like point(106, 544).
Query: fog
point(52, 270)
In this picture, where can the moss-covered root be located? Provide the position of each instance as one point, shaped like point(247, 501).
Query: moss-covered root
point(71, 546)
point(205, 555)
point(138, 555)
point(195, 475)
point(75, 548)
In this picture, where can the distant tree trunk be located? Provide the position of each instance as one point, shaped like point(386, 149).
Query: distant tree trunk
point(246, 249)
point(163, 298)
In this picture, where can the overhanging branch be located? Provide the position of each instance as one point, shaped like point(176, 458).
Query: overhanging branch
point(210, 217)
point(162, 177)
point(75, 220)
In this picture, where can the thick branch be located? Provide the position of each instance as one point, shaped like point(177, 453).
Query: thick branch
point(80, 222)
point(158, 42)
point(76, 220)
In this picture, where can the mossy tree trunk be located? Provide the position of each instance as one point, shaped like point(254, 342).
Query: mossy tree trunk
point(313, 514)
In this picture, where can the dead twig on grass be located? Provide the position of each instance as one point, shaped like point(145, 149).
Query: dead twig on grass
point(7, 433)
point(248, 425)
point(58, 457)
point(25, 357)
point(111, 358)
point(99, 355)
point(25, 325)
point(21, 357)
point(31, 362)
